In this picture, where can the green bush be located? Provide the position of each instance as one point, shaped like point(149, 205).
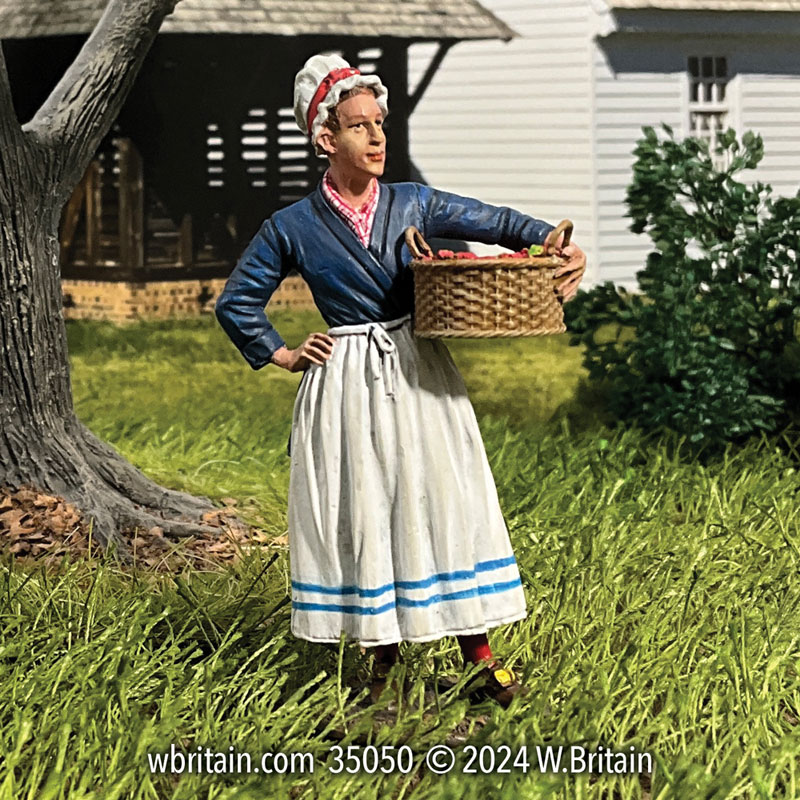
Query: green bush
point(709, 335)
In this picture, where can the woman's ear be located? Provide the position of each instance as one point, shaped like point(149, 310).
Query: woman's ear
point(326, 141)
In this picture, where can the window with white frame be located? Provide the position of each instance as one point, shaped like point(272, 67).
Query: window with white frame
point(709, 106)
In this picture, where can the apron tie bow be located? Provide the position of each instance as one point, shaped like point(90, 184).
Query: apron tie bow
point(383, 357)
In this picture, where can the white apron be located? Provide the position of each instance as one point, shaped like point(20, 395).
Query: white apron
point(395, 530)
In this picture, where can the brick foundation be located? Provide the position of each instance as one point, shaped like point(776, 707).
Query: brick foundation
point(128, 301)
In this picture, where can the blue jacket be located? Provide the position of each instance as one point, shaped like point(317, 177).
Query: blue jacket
point(350, 283)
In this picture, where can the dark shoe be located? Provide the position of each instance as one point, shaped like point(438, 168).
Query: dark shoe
point(498, 683)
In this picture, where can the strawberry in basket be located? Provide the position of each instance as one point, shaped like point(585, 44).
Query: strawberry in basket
point(533, 250)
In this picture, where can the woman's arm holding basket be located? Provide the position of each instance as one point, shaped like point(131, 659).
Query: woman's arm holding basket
point(455, 217)
point(451, 215)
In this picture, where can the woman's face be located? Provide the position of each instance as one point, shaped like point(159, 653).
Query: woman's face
point(358, 148)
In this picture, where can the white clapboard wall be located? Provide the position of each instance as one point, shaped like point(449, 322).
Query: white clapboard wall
point(644, 81)
point(548, 123)
point(510, 123)
point(769, 104)
point(637, 83)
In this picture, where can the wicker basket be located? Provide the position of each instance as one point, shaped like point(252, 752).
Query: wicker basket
point(496, 297)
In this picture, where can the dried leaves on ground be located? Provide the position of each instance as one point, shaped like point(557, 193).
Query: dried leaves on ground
point(41, 527)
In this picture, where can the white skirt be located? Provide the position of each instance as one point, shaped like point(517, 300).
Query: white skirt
point(395, 529)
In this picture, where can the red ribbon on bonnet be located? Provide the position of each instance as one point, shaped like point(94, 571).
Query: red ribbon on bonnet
point(334, 76)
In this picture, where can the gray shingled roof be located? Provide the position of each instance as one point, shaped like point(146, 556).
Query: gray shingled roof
point(710, 5)
point(418, 19)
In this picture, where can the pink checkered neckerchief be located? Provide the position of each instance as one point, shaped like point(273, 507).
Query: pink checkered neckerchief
point(359, 220)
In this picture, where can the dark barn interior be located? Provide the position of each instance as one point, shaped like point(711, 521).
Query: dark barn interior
point(206, 146)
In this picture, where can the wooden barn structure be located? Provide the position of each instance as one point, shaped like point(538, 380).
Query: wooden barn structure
point(206, 146)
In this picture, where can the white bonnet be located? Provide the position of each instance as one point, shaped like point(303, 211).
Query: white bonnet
point(308, 80)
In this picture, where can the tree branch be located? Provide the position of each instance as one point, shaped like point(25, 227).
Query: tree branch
point(11, 140)
point(8, 116)
point(81, 109)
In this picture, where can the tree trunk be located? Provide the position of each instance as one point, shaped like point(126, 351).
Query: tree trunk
point(42, 443)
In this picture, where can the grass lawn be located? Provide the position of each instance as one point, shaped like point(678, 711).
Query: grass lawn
point(662, 594)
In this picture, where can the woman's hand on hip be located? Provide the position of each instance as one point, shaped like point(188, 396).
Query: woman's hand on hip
point(316, 349)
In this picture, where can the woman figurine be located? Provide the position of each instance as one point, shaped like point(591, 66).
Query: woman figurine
point(395, 530)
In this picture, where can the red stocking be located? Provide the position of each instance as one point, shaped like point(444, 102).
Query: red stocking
point(475, 648)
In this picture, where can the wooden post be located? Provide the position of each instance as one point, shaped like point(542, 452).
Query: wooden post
point(131, 206)
point(93, 213)
point(72, 214)
point(185, 254)
point(394, 67)
point(137, 205)
point(427, 77)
